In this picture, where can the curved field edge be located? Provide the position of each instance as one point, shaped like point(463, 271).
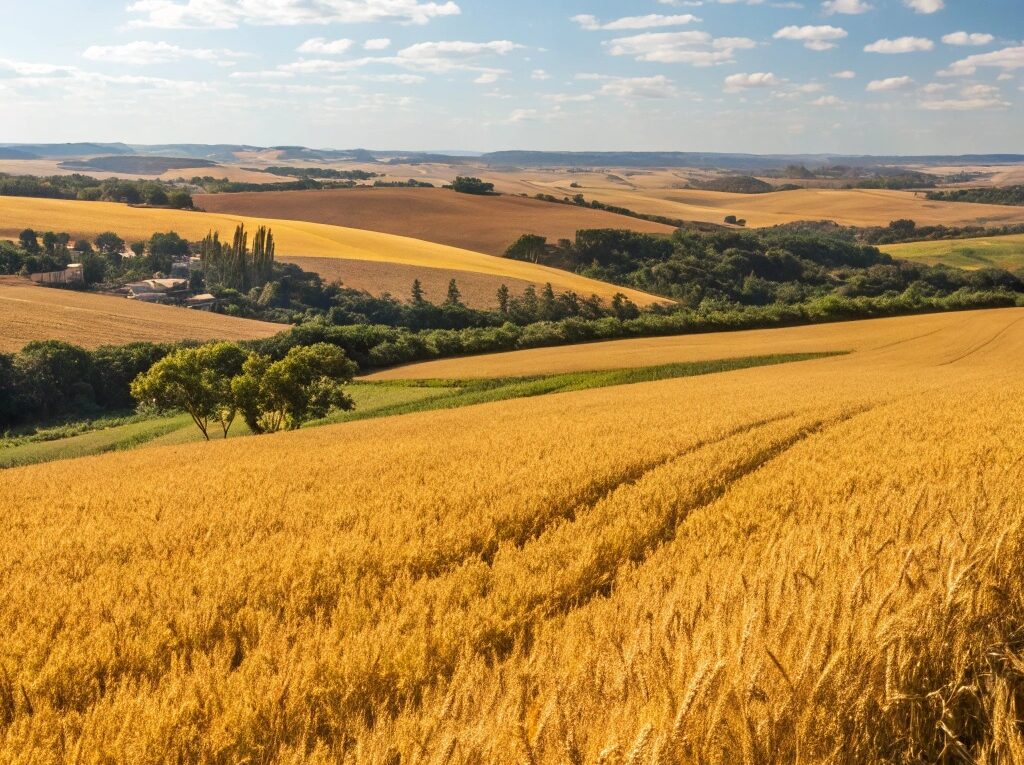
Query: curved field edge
point(375, 400)
point(294, 238)
point(861, 335)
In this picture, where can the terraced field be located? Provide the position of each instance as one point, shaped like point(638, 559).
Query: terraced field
point(31, 312)
point(818, 561)
point(983, 252)
point(294, 239)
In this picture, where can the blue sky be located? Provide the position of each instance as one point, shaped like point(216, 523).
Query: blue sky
point(856, 76)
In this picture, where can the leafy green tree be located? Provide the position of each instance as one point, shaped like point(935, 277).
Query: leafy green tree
point(417, 293)
point(109, 243)
point(196, 381)
point(180, 200)
point(163, 249)
point(29, 241)
point(454, 296)
point(57, 373)
point(528, 247)
point(94, 267)
point(503, 298)
point(465, 185)
point(305, 384)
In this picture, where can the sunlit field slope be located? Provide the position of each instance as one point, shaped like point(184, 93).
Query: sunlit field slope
point(31, 312)
point(983, 252)
point(480, 223)
point(621, 354)
point(850, 207)
point(814, 562)
point(294, 238)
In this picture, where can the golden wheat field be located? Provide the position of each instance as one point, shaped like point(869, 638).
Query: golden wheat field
point(31, 312)
point(294, 238)
point(818, 562)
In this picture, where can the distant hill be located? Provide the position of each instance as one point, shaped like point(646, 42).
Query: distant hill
point(134, 165)
point(17, 154)
point(60, 150)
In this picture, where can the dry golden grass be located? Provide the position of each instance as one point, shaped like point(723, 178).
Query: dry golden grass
point(850, 207)
point(31, 312)
point(477, 290)
point(816, 562)
point(478, 223)
point(622, 354)
point(294, 238)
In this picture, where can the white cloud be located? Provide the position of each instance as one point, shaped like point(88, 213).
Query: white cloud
point(890, 83)
point(145, 53)
point(693, 47)
point(963, 104)
point(900, 45)
point(735, 83)
point(377, 43)
point(925, 6)
point(325, 47)
point(813, 37)
point(650, 21)
point(539, 75)
point(1007, 59)
point(851, 7)
point(457, 49)
point(404, 79)
point(827, 101)
point(658, 86)
point(229, 14)
point(846, 74)
point(963, 38)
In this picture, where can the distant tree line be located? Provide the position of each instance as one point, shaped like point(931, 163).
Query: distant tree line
point(466, 185)
point(322, 173)
point(83, 187)
point(52, 380)
point(1007, 195)
point(784, 266)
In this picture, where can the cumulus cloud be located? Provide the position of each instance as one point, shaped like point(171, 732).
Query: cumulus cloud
point(146, 53)
point(827, 101)
point(696, 48)
point(1007, 59)
point(650, 21)
point(970, 98)
point(735, 83)
point(963, 38)
point(540, 75)
point(658, 86)
point(229, 14)
point(325, 47)
point(850, 7)
point(925, 6)
point(846, 74)
point(813, 37)
point(377, 43)
point(900, 45)
point(890, 83)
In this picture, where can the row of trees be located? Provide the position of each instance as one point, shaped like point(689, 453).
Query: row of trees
point(84, 187)
point(216, 383)
point(237, 266)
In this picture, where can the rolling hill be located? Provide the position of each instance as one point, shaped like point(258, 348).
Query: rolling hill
point(486, 224)
point(295, 239)
point(983, 252)
point(788, 560)
point(31, 312)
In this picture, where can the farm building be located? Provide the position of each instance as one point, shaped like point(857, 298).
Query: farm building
point(73, 274)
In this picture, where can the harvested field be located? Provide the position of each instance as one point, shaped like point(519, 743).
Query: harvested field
point(982, 252)
point(478, 290)
point(483, 224)
point(294, 238)
point(31, 312)
point(861, 336)
point(813, 562)
point(850, 207)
